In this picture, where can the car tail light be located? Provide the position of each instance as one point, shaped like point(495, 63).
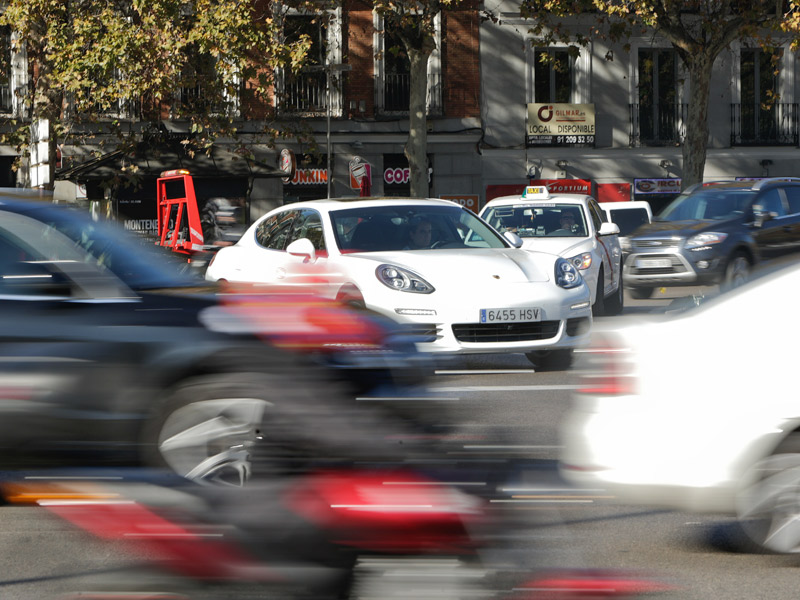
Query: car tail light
point(610, 370)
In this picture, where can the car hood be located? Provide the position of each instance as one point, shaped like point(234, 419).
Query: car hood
point(683, 229)
point(508, 264)
point(565, 247)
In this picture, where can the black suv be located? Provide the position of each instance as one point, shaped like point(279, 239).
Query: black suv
point(715, 233)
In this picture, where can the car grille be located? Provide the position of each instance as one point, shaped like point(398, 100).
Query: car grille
point(662, 243)
point(676, 267)
point(422, 332)
point(505, 332)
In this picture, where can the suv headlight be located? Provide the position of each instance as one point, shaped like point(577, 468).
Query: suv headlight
point(402, 280)
point(567, 276)
point(581, 261)
point(703, 240)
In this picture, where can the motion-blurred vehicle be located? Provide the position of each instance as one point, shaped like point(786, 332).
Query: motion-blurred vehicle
point(715, 233)
point(693, 413)
point(468, 290)
point(629, 216)
point(356, 533)
point(111, 353)
point(586, 240)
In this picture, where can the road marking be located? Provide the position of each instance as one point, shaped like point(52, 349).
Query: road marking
point(503, 388)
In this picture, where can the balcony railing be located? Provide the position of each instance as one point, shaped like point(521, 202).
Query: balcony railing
point(397, 92)
point(752, 125)
point(306, 93)
point(657, 124)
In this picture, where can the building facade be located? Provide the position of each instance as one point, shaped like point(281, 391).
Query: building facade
point(634, 101)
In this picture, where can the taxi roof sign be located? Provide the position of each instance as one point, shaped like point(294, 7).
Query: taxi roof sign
point(535, 192)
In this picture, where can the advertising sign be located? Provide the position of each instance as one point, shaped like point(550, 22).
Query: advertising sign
point(359, 170)
point(470, 201)
point(560, 125)
point(670, 185)
point(565, 186)
point(613, 192)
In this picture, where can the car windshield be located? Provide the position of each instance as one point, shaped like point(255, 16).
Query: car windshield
point(51, 234)
point(411, 227)
point(527, 221)
point(629, 219)
point(708, 204)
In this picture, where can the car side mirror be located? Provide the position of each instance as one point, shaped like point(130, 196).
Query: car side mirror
point(609, 229)
point(513, 239)
point(303, 247)
point(761, 216)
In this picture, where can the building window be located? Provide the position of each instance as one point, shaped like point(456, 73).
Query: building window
point(393, 72)
point(658, 116)
point(760, 118)
point(6, 91)
point(202, 89)
point(552, 75)
point(307, 90)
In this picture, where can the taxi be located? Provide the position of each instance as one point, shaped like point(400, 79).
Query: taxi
point(572, 226)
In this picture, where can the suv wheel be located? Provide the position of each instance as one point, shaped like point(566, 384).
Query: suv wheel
point(737, 272)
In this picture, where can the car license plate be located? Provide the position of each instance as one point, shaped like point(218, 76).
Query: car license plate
point(510, 315)
point(653, 263)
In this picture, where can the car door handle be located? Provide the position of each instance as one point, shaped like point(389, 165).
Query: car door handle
point(787, 228)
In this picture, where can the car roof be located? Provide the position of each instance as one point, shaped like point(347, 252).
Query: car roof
point(362, 202)
point(625, 204)
point(518, 199)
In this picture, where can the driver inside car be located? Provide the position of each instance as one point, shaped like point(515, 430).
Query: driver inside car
point(420, 234)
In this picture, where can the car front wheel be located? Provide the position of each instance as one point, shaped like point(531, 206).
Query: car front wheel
point(641, 293)
point(737, 272)
point(769, 508)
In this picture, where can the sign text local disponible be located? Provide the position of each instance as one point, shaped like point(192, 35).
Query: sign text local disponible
point(560, 125)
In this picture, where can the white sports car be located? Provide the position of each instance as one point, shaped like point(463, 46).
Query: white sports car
point(570, 225)
point(431, 264)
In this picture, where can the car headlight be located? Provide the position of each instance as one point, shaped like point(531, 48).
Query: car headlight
point(567, 276)
point(701, 240)
point(402, 280)
point(582, 261)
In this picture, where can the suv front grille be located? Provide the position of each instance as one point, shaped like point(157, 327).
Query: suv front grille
point(505, 332)
point(663, 243)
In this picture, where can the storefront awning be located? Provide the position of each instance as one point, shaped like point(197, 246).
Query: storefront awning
point(145, 160)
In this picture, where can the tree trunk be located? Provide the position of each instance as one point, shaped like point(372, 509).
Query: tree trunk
point(416, 146)
point(695, 144)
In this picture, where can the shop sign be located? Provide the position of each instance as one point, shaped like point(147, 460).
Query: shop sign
point(565, 186)
point(560, 125)
point(670, 185)
point(359, 170)
point(613, 192)
point(470, 201)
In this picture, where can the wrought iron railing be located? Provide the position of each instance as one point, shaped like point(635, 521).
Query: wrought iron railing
point(397, 92)
point(657, 124)
point(753, 125)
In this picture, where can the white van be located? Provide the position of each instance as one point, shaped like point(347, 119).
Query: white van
point(628, 215)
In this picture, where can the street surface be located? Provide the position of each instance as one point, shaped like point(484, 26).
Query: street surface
point(565, 527)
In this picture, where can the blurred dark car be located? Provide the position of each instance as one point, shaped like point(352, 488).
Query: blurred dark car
point(110, 352)
point(715, 233)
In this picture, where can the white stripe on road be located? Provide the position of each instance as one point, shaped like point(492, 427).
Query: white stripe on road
point(504, 388)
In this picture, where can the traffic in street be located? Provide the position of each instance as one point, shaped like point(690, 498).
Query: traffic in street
point(563, 527)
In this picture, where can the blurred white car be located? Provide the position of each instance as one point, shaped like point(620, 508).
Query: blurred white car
point(696, 412)
point(467, 289)
point(587, 240)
